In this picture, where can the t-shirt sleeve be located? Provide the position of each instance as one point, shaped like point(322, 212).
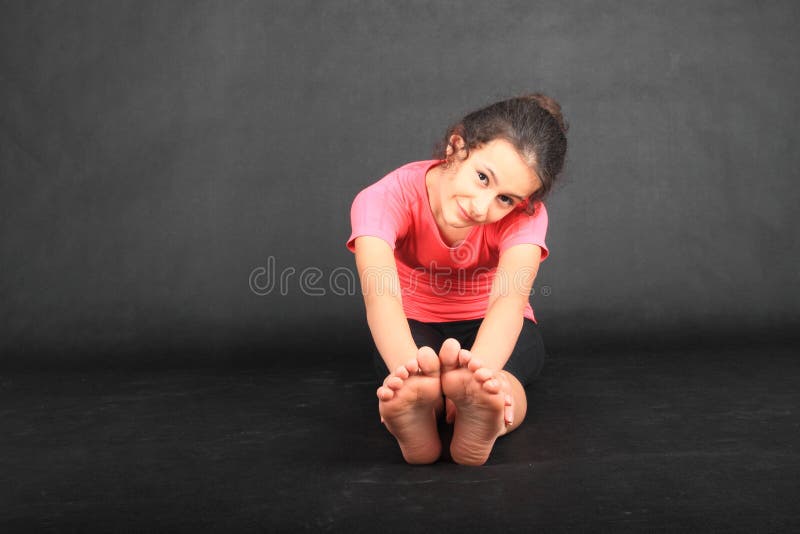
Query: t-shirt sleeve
point(379, 211)
point(525, 229)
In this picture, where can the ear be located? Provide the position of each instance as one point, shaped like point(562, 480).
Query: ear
point(455, 144)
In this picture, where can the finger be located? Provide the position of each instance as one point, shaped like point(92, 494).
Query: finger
point(450, 412)
point(508, 415)
point(504, 379)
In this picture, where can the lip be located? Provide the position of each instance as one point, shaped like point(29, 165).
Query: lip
point(464, 214)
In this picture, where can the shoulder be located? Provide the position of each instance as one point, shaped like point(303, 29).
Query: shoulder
point(519, 220)
point(403, 184)
point(519, 227)
point(408, 180)
point(389, 207)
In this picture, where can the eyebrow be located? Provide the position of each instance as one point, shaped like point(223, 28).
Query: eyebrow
point(494, 177)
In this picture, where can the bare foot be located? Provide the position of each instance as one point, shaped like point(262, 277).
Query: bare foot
point(479, 404)
point(408, 401)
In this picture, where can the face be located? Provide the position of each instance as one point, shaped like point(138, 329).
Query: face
point(485, 187)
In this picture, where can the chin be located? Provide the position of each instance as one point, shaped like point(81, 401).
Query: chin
point(458, 222)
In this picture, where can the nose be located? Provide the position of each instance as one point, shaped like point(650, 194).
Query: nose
point(480, 207)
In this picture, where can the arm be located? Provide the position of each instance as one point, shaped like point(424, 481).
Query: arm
point(380, 286)
point(511, 288)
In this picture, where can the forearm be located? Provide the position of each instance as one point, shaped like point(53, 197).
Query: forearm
point(390, 331)
point(380, 287)
point(498, 333)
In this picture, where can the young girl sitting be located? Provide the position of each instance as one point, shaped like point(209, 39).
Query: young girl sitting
point(447, 251)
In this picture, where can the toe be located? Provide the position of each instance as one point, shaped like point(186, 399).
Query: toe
point(483, 374)
point(428, 361)
point(402, 372)
point(426, 352)
point(393, 382)
point(474, 364)
point(491, 386)
point(449, 353)
point(385, 394)
point(412, 367)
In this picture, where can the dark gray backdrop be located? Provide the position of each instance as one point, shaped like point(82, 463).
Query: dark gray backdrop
point(155, 155)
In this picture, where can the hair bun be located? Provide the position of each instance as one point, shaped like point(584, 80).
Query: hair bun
point(549, 105)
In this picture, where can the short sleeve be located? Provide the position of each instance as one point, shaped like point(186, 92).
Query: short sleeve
point(522, 228)
point(379, 211)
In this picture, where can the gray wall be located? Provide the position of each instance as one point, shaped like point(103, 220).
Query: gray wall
point(153, 154)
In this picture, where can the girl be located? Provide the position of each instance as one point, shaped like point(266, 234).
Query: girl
point(447, 251)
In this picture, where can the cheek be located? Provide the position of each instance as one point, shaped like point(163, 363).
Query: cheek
point(498, 213)
point(462, 179)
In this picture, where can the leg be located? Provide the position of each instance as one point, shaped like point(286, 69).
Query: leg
point(519, 401)
point(484, 404)
point(522, 368)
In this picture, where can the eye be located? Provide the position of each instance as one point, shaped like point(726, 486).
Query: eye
point(508, 201)
point(483, 178)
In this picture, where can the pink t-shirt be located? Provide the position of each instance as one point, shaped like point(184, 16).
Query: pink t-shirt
point(439, 283)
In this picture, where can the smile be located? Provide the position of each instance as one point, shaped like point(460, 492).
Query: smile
point(464, 214)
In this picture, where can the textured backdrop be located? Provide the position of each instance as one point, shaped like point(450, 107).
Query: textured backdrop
point(165, 165)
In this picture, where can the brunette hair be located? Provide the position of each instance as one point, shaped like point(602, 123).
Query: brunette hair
point(532, 123)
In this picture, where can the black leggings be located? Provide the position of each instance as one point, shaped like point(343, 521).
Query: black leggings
point(525, 362)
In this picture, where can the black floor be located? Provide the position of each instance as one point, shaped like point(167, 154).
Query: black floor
point(675, 441)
